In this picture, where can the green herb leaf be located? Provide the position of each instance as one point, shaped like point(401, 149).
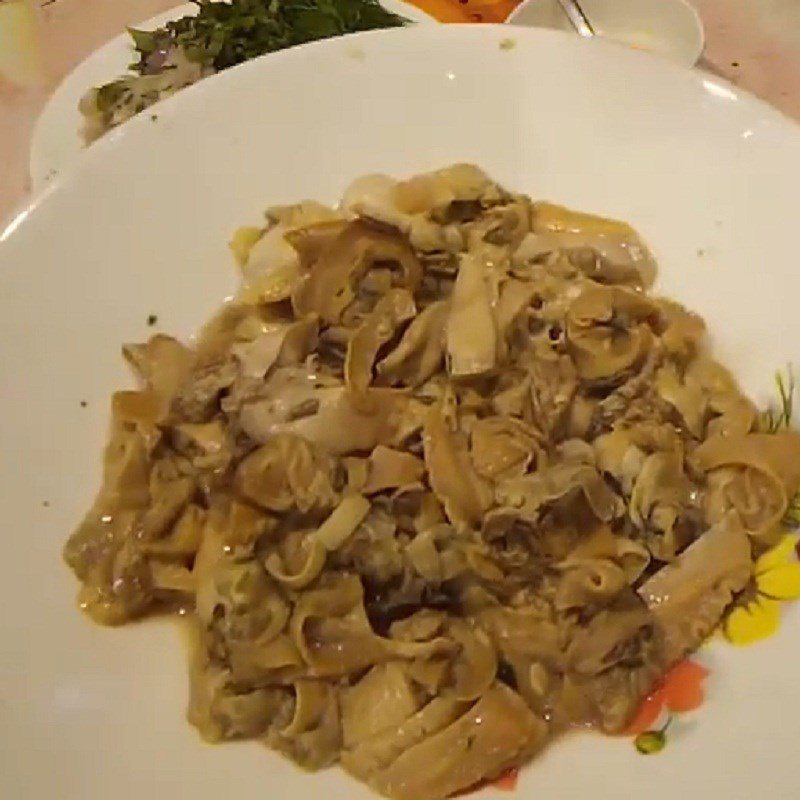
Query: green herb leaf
point(143, 41)
point(108, 95)
point(791, 519)
point(774, 419)
point(223, 34)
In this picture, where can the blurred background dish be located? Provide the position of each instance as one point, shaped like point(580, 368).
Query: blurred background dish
point(669, 28)
point(754, 45)
point(56, 140)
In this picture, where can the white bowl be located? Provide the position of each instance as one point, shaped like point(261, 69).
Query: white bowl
point(139, 226)
point(669, 28)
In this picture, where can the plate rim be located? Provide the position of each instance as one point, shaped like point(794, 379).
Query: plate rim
point(694, 77)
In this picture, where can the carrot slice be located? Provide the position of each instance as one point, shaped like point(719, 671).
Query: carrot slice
point(443, 10)
point(683, 686)
point(647, 714)
point(468, 11)
point(507, 781)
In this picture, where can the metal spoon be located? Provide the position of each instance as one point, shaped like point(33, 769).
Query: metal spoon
point(577, 17)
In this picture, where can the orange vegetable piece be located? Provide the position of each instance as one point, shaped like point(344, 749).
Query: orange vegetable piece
point(469, 11)
point(680, 690)
point(491, 10)
point(647, 714)
point(683, 686)
point(507, 781)
point(443, 10)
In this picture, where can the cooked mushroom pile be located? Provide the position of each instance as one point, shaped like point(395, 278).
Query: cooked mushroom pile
point(443, 481)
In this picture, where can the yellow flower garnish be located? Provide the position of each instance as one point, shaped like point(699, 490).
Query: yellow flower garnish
point(777, 579)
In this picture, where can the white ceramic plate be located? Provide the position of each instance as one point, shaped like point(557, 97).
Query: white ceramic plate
point(139, 227)
point(57, 140)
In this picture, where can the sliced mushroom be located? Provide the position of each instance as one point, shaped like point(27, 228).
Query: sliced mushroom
point(464, 495)
point(163, 364)
point(421, 350)
point(330, 285)
point(502, 446)
point(273, 263)
point(391, 311)
point(614, 241)
point(278, 343)
point(284, 473)
point(609, 331)
point(391, 469)
point(756, 475)
point(688, 596)
point(471, 336)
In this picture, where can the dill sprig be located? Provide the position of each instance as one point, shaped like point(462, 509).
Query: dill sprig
point(791, 519)
point(773, 418)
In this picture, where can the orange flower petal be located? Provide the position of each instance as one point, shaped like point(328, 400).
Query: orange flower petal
point(647, 714)
point(683, 686)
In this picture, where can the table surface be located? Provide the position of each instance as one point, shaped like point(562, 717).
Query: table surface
point(753, 43)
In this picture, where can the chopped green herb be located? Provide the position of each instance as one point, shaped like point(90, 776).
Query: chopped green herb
point(152, 319)
point(143, 40)
point(651, 742)
point(774, 419)
point(220, 35)
point(223, 34)
point(109, 94)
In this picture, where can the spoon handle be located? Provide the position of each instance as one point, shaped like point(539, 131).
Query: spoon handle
point(577, 16)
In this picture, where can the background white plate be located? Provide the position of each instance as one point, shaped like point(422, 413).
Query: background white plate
point(669, 28)
point(708, 174)
point(56, 138)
